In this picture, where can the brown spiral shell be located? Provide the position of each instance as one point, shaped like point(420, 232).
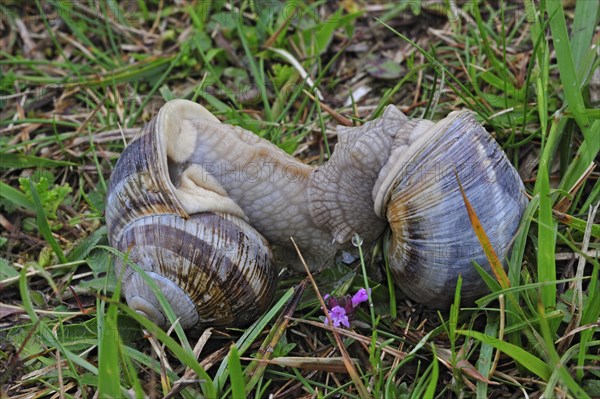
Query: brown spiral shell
point(213, 268)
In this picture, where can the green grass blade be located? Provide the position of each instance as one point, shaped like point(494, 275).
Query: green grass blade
point(257, 73)
point(182, 354)
point(541, 70)
point(586, 17)
point(26, 296)
point(20, 161)
point(433, 379)
point(255, 370)
point(42, 223)
point(490, 281)
point(142, 358)
point(453, 317)
point(593, 198)
point(560, 372)
point(546, 265)
point(109, 377)
point(238, 389)
point(16, 197)
point(131, 372)
point(591, 313)
point(520, 288)
point(586, 154)
point(109, 344)
point(515, 263)
point(578, 224)
point(520, 355)
point(484, 363)
point(390, 280)
point(566, 66)
point(250, 336)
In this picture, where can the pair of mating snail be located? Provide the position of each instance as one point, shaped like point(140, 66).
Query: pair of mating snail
point(197, 203)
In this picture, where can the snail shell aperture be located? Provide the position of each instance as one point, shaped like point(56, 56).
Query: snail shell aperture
point(197, 203)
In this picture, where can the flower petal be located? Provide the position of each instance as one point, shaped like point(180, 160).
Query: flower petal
point(338, 315)
point(360, 297)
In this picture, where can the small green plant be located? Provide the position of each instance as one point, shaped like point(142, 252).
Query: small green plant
point(50, 197)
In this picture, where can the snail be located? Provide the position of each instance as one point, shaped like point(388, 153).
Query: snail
point(198, 204)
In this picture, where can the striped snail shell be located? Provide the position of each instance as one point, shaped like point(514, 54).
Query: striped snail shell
point(181, 229)
point(196, 203)
point(433, 240)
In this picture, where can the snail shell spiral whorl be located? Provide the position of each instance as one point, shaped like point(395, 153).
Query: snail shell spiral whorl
point(211, 265)
point(433, 240)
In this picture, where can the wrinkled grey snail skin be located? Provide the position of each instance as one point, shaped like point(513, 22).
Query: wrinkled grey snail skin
point(197, 203)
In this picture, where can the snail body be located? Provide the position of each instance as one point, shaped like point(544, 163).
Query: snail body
point(196, 203)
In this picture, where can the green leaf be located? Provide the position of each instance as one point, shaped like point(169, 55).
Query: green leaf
point(566, 67)
point(591, 313)
point(520, 355)
point(42, 224)
point(16, 197)
point(6, 270)
point(109, 376)
point(236, 377)
point(19, 161)
point(250, 335)
point(186, 357)
point(87, 245)
point(507, 89)
point(586, 154)
point(582, 31)
point(50, 198)
point(26, 296)
point(547, 225)
point(484, 364)
point(433, 381)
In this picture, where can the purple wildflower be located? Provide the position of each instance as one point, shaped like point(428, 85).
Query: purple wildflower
point(331, 301)
point(360, 297)
point(338, 316)
point(342, 309)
